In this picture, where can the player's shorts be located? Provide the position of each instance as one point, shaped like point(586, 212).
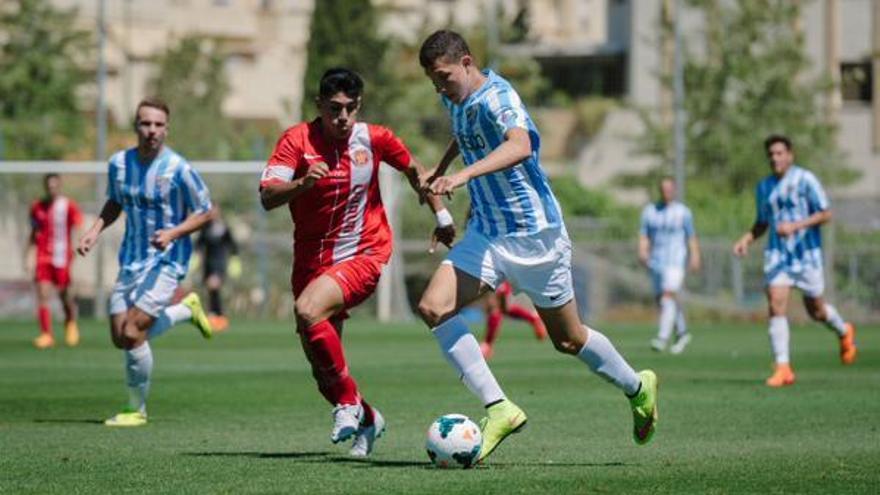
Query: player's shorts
point(811, 281)
point(539, 264)
point(357, 277)
point(149, 290)
point(47, 272)
point(667, 279)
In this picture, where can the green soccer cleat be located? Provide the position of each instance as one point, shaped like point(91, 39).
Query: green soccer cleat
point(128, 417)
point(644, 407)
point(503, 419)
point(199, 318)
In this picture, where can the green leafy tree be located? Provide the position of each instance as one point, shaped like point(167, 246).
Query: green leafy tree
point(40, 73)
point(749, 83)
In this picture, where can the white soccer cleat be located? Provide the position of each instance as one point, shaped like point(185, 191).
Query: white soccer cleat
point(658, 345)
point(346, 420)
point(366, 436)
point(680, 344)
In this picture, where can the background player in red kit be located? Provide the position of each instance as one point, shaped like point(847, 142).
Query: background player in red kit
point(52, 219)
point(327, 172)
point(499, 305)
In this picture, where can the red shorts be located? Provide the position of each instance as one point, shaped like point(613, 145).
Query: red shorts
point(357, 277)
point(59, 277)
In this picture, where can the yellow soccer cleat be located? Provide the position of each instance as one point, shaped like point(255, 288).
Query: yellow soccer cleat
point(644, 408)
point(127, 417)
point(199, 318)
point(71, 334)
point(503, 419)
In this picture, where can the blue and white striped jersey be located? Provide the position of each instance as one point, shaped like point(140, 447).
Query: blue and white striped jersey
point(669, 227)
point(794, 197)
point(516, 201)
point(155, 196)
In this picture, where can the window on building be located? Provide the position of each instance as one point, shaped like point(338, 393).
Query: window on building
point(856, 81)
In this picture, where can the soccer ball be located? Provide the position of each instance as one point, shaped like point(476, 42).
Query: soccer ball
point(454, 441)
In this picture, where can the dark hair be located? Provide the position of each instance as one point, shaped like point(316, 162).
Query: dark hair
point(153, 102)
point(50, 176)
point(443, 43)
point(341, 80)
point(777, 138)
point(668, 178)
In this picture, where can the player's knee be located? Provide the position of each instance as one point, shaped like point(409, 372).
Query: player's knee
point(566, 345)
point(431, 312)
point(816, 312)
point(308, 310)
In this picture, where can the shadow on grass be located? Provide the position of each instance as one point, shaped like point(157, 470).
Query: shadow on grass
point(261, 455)
point(69, 421)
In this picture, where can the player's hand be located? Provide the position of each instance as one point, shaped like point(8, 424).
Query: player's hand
point(786, 229)
point(448, 183)
point(86, 242)
point(314, 173)
point(443, 235)
point(694, 264)
point(427, 180)
point(162, 239)
point(741, 247)
point(643, 259)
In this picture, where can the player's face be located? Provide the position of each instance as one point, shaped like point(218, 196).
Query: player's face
point(151, 127)
point(780, 158)
point(668, 191)
point(339, 114)
point(452, 79)
point(53, 187)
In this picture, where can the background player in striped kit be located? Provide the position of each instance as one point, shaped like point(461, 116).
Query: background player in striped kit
point(164, 200)
point(53, 218)
point(327, 172)
point(791, 205)
point(498, 304)
point(515, 233)
point(667, 242)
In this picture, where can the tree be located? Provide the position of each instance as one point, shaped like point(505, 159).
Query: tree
point(192, 80)
point(749, 83)
point(40, 74)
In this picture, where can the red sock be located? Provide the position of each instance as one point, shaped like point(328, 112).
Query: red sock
point(45, 318)
point(367, 419)
point(323, 348)
point(493, 326)
point(521, 313)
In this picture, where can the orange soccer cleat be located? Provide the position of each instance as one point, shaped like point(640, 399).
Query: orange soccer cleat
point(71, 334)
point(486, 350)
point(219, 322)
point(782, 376)
point(44, 341)
point(848, 349)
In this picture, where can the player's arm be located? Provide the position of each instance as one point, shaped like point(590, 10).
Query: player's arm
point(449, 156)
point(789, 228)
point(644, 249)
point(694, 253)
point(517, 146)
point(742, 245)
point(275, 194)
point(445, 230)
point(193, 222)
point(30, 252)
point(109, 213)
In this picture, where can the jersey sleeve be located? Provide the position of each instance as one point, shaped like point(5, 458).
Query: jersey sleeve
point(506, 111)
point(817, 200)
point(74, 214)
point(112, 184)
point(643, 222)
point(688, 224)
point(283, 162)
point(391, 148)
point(762, 211)
point(195, 193)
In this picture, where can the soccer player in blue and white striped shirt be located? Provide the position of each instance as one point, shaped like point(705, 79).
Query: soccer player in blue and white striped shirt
point(515, 233)
point(668, 242)
point(164, 200)
point(791, 205)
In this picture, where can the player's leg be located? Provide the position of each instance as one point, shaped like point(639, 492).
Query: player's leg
point(44, 315)
point(71, 329)
point(168, 315)
point(494, 317)
point(821, 311)
point(518, 312)
point(128, 332)
point(777, 302)
point(214, 284)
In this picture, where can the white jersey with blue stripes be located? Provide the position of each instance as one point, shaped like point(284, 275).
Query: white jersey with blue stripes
point(516, 201)
point(155, 196)
point(668, 226)
point(791, 198)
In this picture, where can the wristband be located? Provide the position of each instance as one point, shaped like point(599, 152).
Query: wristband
point(444, 218)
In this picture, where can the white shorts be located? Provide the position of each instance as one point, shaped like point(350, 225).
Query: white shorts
point(667, 279)
point(539, 265)
point(811, 281)
point(149, 290)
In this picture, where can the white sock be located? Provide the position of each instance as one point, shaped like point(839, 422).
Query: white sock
point(138, 368)
point(834, 320)
point(681, 327)
point(461, 349)
point(779, 338)
point(601, 356)
point(169, 317)
point(667, 318)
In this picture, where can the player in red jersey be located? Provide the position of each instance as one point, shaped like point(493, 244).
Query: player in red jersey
point(50, 253)
point(499, 305)
point(327, 172)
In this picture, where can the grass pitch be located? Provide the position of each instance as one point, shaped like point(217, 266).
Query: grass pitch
point(240, 414)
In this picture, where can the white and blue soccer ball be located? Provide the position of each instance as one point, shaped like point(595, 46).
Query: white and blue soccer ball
point(454, 441)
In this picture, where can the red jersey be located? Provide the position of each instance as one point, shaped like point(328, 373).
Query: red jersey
point(342, 215)
point(51, 223)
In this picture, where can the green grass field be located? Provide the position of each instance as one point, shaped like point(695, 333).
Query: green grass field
point(240, 414)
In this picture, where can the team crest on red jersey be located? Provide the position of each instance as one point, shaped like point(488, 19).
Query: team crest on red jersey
point(361, 157)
